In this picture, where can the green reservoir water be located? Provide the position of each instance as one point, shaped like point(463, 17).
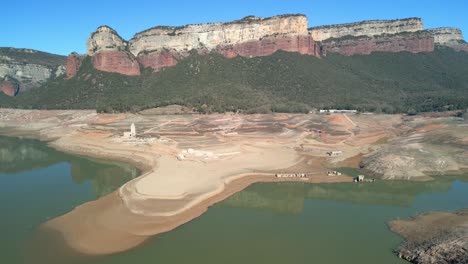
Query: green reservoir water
point(38, 183)
point(266, 223)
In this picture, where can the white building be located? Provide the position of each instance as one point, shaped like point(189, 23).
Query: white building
point(337, 111)
point(132, 133)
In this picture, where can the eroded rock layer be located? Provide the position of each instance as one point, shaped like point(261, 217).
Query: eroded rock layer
point(164, 46)
point(302, 44)
point(161, 47)
point(366, 28)
point(449, 37)
point(9, 88)
point(210, 36)
point(158, 60)
point(116, 61)
point(415, 42)
point(73, 64)
point(105, 39)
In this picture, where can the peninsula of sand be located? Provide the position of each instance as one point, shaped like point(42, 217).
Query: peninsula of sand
point(189, 162)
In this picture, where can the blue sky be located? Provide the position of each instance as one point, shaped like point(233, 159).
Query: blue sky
point(63, 26)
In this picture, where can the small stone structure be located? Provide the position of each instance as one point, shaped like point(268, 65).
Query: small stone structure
point(132, 133)
point(292, 175)
point(337, 111)
point(334, 153)
point(333, 173)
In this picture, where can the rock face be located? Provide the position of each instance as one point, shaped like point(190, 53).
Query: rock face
point(116, 61)
point(161, 47)
point(375, 35)
point(105, 39)
point(158, 59)
point(30, 68)
point(73, 64)
point(302, 44)
point(110, 53)
point(367, 28)
point(210, 36)
point(9, 88)
point(164, 46)
point(420, 41)
point(449, 37)
point(446, 36)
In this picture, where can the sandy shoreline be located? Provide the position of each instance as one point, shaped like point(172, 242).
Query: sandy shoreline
point(115, 227)
point(107, 215)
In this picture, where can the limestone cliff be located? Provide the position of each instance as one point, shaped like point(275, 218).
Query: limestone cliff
point(110, 52)
point(413, 42)
point(163, 46)
point(29, 68)
point(366, 28)
point(105, 39)
point(449, 37)
point(210, 36)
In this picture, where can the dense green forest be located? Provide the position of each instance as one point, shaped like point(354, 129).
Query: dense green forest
point(282, 82)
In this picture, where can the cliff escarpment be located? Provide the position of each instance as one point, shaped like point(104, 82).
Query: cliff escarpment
point(414, 42)
point(375, 36)
point(211, 36)
point(366, 28)
point(164, 46)
point(25, 68)
point(449, 37)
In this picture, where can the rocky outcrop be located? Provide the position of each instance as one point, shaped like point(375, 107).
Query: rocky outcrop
point(419, 154)
point(30, 68)
point(9, 88)
point(105, 39)
point(446, 36)
point(210, 36)
point(366, 28)
point(110, 53)
point(116, 61)
point(164, 46)
point(158, 59)
point(302, 44)
point(73, 64)
point(161, 46)
point(415, 42)
point(449, 37)
point(435, 237)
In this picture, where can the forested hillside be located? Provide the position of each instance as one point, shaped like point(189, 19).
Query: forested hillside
point(282, 82)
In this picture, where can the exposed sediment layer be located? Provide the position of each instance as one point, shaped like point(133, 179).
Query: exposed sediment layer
point(116, 61)
point(210, 36)
point(73, 64)
point(446, 36)
point(179, 182)
point(163, 46)
point(449, 37)
point(366, 28)
point(416, 42)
